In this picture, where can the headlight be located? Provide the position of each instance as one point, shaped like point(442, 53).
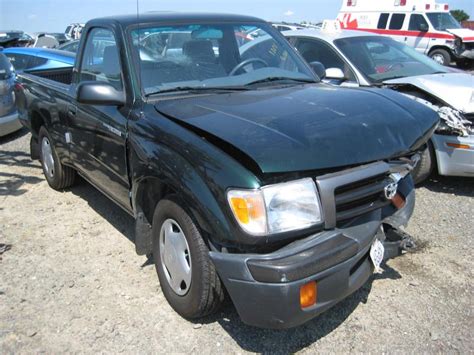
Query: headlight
point(276, 208)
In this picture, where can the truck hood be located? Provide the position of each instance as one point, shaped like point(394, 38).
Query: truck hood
point(307, 127)
point(455, 89)
point(465, 34)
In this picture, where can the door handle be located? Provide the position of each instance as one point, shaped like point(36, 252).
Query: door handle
point(71, 111)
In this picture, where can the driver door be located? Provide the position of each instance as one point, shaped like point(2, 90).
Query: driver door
point(98, 133)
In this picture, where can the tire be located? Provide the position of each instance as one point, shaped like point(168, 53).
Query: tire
point(204, 294)
point(465, 64)
point(57, 175)
point(441, 56)
point(425, 166)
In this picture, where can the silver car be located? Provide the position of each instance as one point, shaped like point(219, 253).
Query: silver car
point(356, 58)
point(9, 122)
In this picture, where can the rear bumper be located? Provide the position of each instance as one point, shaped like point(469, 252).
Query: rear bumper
point(9, 124)
point(265, 289)
point(454, 161)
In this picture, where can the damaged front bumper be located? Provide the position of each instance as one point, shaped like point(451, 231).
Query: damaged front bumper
point(265, 289)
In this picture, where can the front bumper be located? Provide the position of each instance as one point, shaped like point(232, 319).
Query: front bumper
point(9, 124)
point(454, 161)
point(467, 53)
point(265, 289)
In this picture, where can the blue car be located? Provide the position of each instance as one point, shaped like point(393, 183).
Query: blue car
point(29, 58)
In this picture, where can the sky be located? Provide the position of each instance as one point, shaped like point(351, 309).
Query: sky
point(55, 15)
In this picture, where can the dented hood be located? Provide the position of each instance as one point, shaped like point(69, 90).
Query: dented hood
point(307, 127)
point(455, 89)
point(465, 34)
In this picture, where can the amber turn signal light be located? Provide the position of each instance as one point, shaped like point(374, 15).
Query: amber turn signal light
point(308, 294)
point(458, 146)
point(398, 201)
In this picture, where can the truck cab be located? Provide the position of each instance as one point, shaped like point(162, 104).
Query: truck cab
point(424, 25)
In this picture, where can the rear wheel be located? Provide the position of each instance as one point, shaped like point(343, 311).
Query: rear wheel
point(441, 56)
point(57, 175)
point(187, 276)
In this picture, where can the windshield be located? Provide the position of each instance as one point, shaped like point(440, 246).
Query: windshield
point(442, 21)
point(382, 58)
point(204, 56)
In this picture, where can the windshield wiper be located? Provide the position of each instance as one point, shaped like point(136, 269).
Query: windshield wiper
point(198, 89)
point(280, 78)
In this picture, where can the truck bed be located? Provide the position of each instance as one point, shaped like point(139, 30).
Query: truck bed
point(61, 75)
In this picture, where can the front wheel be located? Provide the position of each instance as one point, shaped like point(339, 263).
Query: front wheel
point(441, 56)
point(425, 166)
point(57, 175)
point(187, 276)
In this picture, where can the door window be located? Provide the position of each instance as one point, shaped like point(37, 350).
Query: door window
point(396, 23)
point(101, 60)
point(416, 22)
point(19, 61)
point(383, 19)
point(318, 51)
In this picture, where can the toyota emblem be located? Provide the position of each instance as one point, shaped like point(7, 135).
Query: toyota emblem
point(390, 190)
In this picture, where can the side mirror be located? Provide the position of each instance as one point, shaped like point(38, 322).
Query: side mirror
point(319, 69)
point(335, 73)
point(99, 93)
point(423, 27)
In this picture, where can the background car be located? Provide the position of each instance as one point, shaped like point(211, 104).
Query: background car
point(9, 122)
point(39, 58)
point(356, 58)
point(15, 39)
point(70, 46)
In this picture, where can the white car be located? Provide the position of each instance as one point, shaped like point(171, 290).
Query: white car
point(356, 58)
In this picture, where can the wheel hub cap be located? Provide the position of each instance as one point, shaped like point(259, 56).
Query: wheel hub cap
point(47, 157)
point(175, 257)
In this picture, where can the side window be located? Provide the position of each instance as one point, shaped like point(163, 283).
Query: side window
point(101, 60)
point(37, 61)
point(19, 61)
point(318, 51)
point(396, 23)
point(383, 19)
point(417, 22)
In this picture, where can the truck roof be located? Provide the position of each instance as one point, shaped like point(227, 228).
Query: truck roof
point(393, 6)
point(174, 17)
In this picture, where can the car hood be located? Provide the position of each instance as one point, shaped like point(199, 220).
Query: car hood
point(307, 127)
point(455, 89)
point(465, 34)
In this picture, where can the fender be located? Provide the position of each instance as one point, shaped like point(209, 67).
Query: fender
point(198, 176)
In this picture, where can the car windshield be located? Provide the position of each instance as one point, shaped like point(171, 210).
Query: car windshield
point(442, 21)
point(382, 58)
point(206, 56)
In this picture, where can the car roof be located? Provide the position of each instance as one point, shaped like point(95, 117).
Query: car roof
point(178, 17)
point(328, 36)
point(54, 54)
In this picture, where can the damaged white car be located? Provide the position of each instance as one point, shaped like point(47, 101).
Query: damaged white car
point(355, 58)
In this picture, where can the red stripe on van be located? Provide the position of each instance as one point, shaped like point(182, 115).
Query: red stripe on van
point(408, 33)
point(468, 39)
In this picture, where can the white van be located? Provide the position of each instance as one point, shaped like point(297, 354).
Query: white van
point(423, 24)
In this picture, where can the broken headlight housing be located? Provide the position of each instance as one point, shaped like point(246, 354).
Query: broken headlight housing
point(276, 208)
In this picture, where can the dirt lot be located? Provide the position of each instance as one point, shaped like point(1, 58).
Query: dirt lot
point(71, 281)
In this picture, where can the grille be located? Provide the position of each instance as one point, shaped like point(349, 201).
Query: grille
point(360, 197)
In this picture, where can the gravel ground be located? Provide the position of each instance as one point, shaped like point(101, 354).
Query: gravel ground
point(71, 281)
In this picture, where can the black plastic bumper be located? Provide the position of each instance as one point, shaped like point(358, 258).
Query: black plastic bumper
point(265, 289)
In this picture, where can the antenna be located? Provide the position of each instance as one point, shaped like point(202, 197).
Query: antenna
point(139, 58)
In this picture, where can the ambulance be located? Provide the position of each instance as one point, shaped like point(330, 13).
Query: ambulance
point(424, 25)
